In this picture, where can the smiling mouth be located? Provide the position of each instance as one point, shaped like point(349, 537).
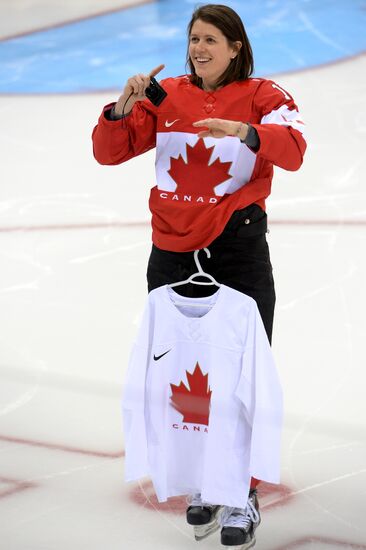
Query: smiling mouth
point(202, 60)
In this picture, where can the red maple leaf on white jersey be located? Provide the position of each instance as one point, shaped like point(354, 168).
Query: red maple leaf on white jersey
point(193, 403)
point(196, 175)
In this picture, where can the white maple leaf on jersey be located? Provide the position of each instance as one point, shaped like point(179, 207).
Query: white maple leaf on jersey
point(285, 117)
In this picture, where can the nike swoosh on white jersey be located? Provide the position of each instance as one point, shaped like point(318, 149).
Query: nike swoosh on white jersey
point(169, 124)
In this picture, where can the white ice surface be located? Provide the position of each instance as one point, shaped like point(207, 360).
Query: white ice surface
point(22, 16)
point(71, 293)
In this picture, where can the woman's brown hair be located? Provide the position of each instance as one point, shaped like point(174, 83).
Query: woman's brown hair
point(231, 26)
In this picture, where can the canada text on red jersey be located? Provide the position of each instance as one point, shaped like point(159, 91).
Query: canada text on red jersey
point(200, 182)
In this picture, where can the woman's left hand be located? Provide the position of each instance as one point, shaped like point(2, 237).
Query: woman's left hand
point(219, 128)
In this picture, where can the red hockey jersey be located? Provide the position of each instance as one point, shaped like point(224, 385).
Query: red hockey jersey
point(200, 182)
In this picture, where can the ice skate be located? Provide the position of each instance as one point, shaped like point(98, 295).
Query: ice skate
point(239, 524)
point(203, 516)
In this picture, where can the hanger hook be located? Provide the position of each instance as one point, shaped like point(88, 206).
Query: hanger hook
point(197, 262)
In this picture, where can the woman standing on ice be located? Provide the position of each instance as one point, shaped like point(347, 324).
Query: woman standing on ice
point(210, 192)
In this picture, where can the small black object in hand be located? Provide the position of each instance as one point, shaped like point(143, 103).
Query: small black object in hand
point(155, 92)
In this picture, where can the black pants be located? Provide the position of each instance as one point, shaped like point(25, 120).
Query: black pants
point(239, 259)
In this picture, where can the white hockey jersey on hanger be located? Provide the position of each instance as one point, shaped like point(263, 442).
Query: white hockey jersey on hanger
point(202, 402)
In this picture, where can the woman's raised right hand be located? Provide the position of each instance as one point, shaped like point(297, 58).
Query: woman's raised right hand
point(135, 85)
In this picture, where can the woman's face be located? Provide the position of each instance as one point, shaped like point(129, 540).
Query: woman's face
point(210, 52)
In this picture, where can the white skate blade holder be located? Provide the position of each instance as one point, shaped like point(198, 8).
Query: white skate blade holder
point(203, 531)
point(242, 546)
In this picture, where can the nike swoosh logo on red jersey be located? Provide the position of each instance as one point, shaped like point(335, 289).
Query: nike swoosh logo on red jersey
point(157, 357)
point(169, 124)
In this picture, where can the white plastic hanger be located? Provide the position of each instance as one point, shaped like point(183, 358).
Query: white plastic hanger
point(191, 279)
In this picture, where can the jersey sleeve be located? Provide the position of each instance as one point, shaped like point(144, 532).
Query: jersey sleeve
point(133, 403)
point(116, 141)
point(281, 128)
point(260, 391)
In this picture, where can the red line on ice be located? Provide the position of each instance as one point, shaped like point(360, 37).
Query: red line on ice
point(122, 225)
point(14, 486)
point(309, 541)
point(63, 448)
